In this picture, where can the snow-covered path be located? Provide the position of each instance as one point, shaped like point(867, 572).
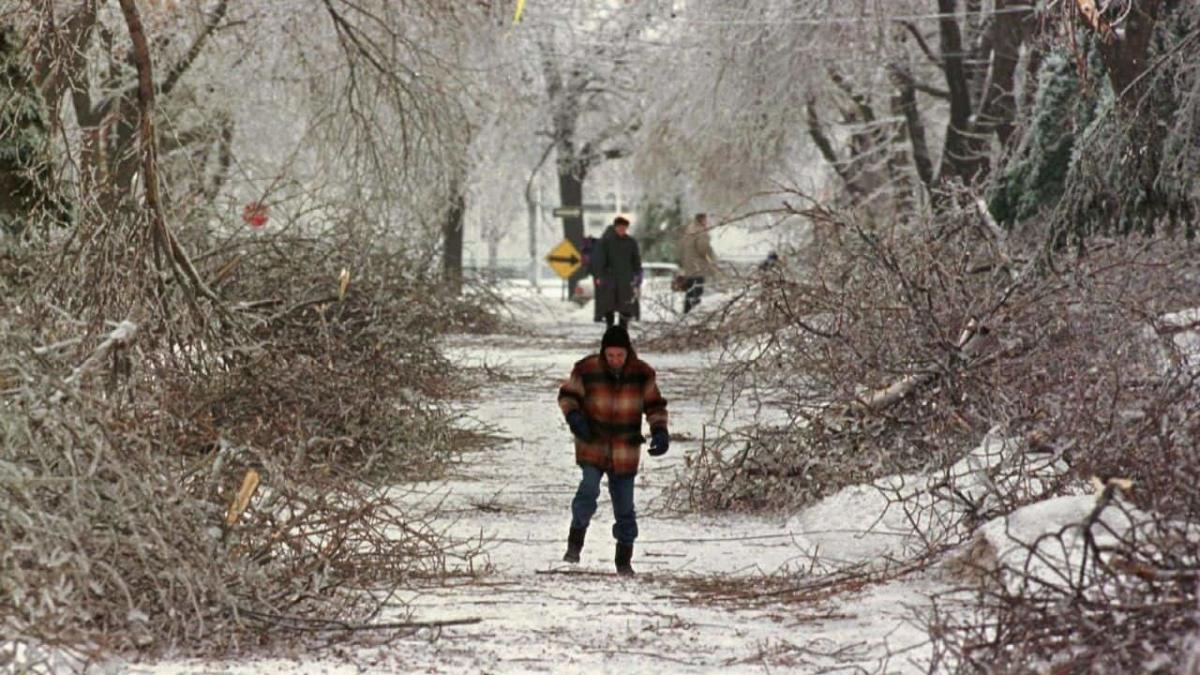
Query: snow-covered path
point(536, 618)
point(537, 614)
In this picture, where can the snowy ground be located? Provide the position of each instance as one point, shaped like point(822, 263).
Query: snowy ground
point(700, 602)
point(714, 593)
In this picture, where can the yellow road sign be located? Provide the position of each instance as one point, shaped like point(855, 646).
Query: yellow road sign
point(564, 259)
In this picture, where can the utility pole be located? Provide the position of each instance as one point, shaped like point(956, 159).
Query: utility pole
point(533, 211)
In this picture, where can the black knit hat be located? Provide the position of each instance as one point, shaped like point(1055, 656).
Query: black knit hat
point(616, 336)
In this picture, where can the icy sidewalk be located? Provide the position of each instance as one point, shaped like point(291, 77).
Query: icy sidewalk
point(679, 614)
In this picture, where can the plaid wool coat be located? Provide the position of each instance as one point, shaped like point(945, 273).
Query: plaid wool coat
point(613, 405)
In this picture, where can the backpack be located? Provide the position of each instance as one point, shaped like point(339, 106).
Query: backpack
point(588, 249)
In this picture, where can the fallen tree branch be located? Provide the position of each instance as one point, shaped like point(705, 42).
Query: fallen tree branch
point(318, 625)
point(163, 236)
point(118, 338)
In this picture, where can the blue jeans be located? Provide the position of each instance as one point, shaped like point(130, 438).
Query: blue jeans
point(620, 489)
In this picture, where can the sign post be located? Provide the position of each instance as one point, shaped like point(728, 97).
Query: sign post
point(570, 212)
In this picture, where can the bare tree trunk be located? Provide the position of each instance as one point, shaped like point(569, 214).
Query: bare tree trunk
point(1123, 51)
point(532, 207)
point(452, 240)
point(998, 110)
point(570, 193)
point(574, 156)
point(825, 146)
point(224, 160)
point(149, 151)
point(109, 131)
point(163, 239)
point(915, 125)
point(493, 249)
point(962, 157)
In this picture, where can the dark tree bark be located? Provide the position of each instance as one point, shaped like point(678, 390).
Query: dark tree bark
point(108, 125)
point(962, 156)
point(914, 124)
point(164, 240)
point(870, 167)
point(213, 186)
point(825, 147)
point(570, 194)
point(452, 239)
point(980, 92)
point(998, 111)
point(1123, 51)
point(564, 96)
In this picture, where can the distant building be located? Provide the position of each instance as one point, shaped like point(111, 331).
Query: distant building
point(599, 214)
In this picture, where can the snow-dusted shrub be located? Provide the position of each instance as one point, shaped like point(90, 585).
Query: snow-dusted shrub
point(900, 354)
point(897, 350)
point(215, 477)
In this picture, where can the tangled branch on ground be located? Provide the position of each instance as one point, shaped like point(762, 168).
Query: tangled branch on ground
point(898, 350)
point(1111, 592)
point(208, 477)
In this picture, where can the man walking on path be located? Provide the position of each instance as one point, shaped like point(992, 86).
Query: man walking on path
point(603, 401)
point(696, 260)
point(616, 265)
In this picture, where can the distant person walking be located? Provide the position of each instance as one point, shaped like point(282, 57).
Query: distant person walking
point(604, 400)
point(696, 260)
point(616, 266)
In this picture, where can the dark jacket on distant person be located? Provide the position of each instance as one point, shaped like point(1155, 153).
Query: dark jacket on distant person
point(616, 264)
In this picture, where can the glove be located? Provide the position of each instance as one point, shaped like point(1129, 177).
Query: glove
point(660, 440)
point(579, 425)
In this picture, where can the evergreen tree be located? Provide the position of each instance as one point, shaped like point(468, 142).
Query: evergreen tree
point(1035, 177)
point(1132, 169)
point(658, 231)
point(24, 159)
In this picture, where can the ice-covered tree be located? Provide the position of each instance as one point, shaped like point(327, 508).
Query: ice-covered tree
point(1134, 167)
point(772, 84)
point(585, 58)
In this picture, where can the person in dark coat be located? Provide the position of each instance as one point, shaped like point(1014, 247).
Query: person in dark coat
point(616, 266)
point(603, 401)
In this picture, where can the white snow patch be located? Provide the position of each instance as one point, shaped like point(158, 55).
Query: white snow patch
point(1182, 340)
point(1044, 542)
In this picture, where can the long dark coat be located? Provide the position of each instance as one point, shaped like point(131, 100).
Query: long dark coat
point(613, 404)
point(615, 261)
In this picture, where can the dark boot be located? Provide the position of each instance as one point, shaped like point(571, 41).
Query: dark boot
point(574, 545)
point(624, 555)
